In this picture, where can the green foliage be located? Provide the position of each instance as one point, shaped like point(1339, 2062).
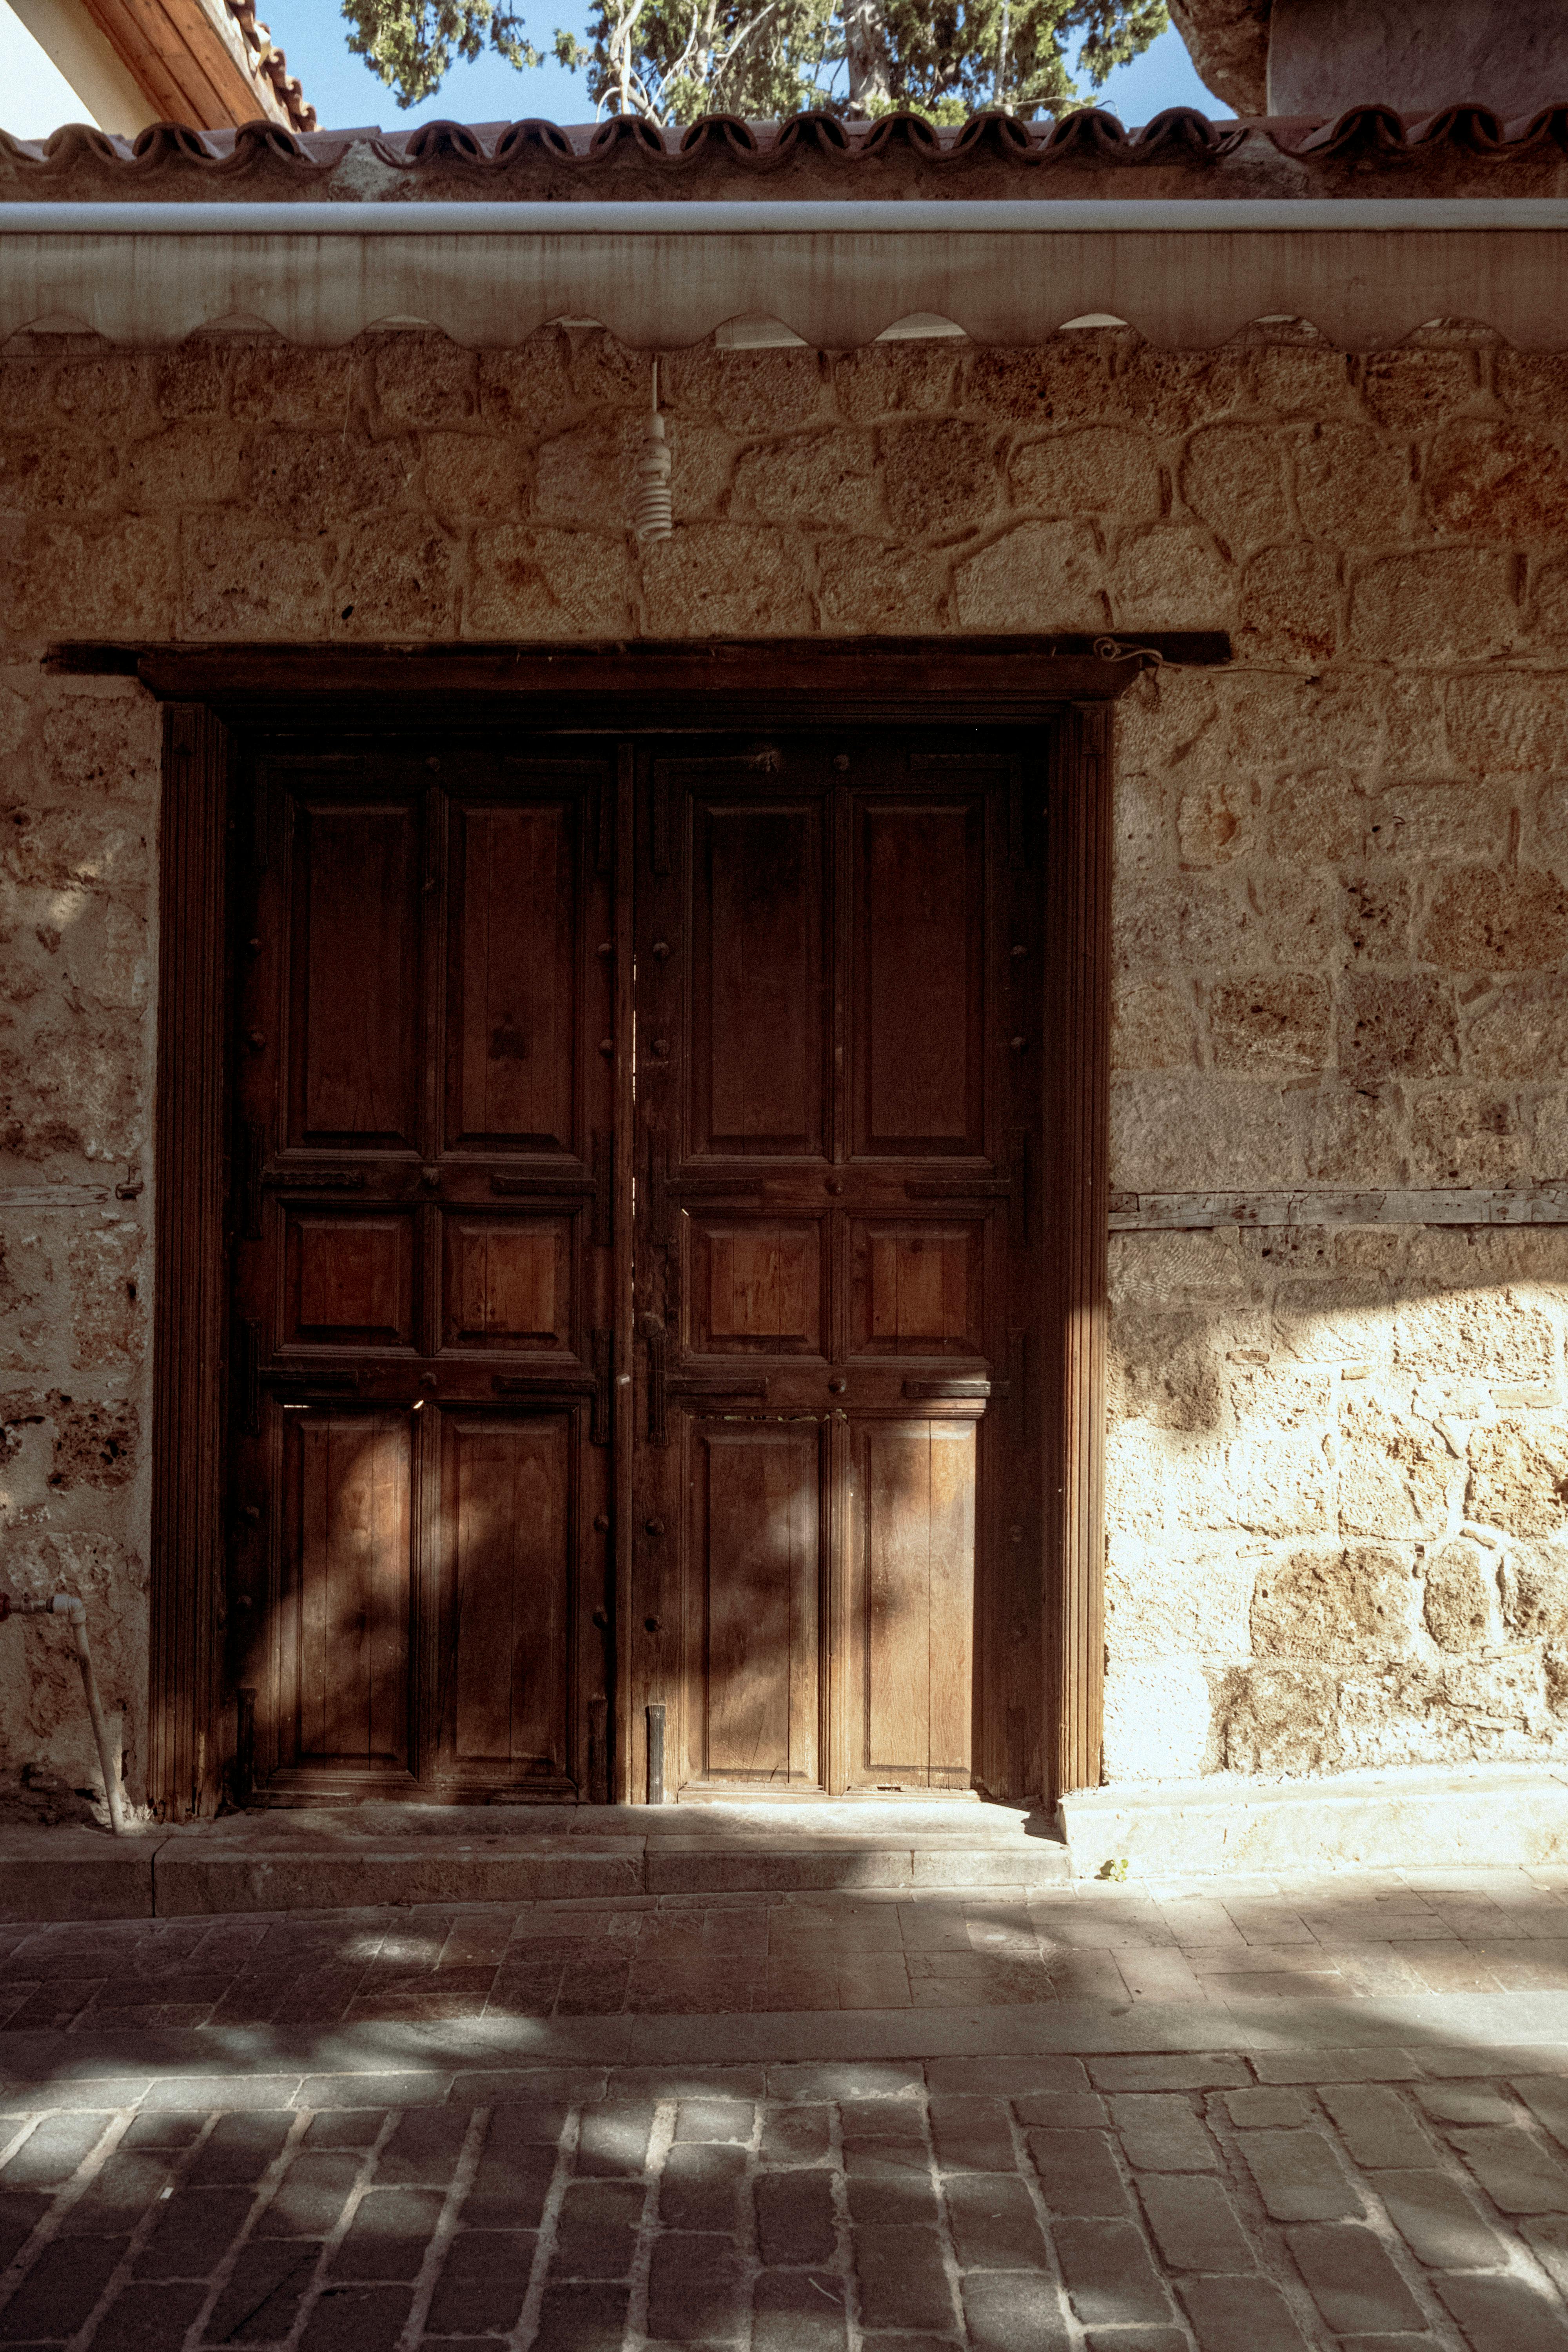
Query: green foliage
point(672, 61)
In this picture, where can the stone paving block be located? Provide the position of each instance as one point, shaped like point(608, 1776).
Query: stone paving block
point(794, 2216)
point(1518, 2174)
point(60, 2289)
point(1441, 2226)
point(598, 2229)
point(20, 2214)
point(994, 2222)
point(902, 2281)
point(714, 2119)
point(1111, 2280)
point(614, 2139)
point(1063, 2110)
point(311, 2196)
point(483, 2282)
point(1079, 2172)
point(1299, 2177)
point(1548, 2240)
point(971, 2135)
point(1315, 2066)
point(1006, 2078)
point(51, 2152)
point(1200, 2072)
point(1467, 2102)
point(125, 2187)
point(166, 2127)
point(261, 2301)
point(796, 2135)
point(1240, 2316)
point(798, 2311)
point(193, 2231)
point(1352, 2282)
point(1377, 2127)
point(513, 2178)
point(875, 2123)
point(701, 2187)
point(240, 2148)
point(884, 2192)
point(1262, 2109)
point(356, 2319)
point(1195, 2223)
point(581, 2319)
point(343, 2127)
point(850, 2079)
point(388, 2235)
point(1159, 2132)
point(1546, 2096)
point(697, 2292)
point(424, 2149)
point(424, 2089)
point(148, 2319)
point(1011, 2312)
point(1503, 2315)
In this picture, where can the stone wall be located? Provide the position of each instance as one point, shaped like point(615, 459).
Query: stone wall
point(1340, 1456)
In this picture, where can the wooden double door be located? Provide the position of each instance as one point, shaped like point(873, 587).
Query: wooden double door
point(634, 1331)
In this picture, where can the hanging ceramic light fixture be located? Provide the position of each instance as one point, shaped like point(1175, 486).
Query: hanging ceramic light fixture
point(653, 518)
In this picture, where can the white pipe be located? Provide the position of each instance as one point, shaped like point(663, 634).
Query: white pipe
point(772, 215)
point(74, 1610)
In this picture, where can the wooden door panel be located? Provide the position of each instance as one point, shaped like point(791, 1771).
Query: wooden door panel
point(348, 1279)
point(513, 949)
point(759, 959)
point(506, 1492)
point(913, 1527)
point(916, 1287)
point(347, 1488)
point(507, 1281)
point(753, 1611)
point(355, 974)
point(755, 1285)
point(920, 975)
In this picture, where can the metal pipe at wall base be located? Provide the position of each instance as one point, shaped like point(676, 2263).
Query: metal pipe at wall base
point(68, 1605)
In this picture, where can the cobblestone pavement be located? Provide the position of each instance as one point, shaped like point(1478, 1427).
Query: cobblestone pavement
point(1388, 1933)
point(1353, 2193)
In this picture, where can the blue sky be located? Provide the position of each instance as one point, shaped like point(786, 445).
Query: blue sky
point(344, 91)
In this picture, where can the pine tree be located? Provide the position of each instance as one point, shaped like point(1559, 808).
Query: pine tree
point(672, 61)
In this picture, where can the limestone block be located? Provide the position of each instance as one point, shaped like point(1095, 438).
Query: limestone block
point(1549, 1148)
point(1535, 1592)
point(1173, 391)
point(1037, 576)
point(721, 579)
point(1146, 923)
point(1483, 921)
point(1303, 377)
point(283, 384)
point(109, 389)
point(41, 1716)
point(95, 1445)
point(1468, 1135)
point(1498, 479)
point(56, 474)
point(70, 1090)
point(1062, 380)
point(1335, 1604)
point(1507, 722)
point(1347, 1319)
point(1352, 1137)
point(1397, 1472)
point(1317, 819)
point(1378, 909)
point(890, 379)
point(585, 475)
point(1274, 1020)
point(1331, 724)
point(530, 388)
point(1233, 478)
point(398, 579)
point(473, 475)
point(1153, 1026)
point(761, 391)
point(1183, 1598)
point(1414, 727)
point(1413, 389)
point(529, 580)
point(1353, 484)
point(193, 379)
point(1278, 1719)
point(109, 1316)
point(1518, 1478)
point(239, 579)
point(420, 379)
point(1238, 923)
point(184, 465)
point(1171, 575)
point(63, 849)
point(1443, 605)
point(115, 579)
point(330, 476)
point(107, 954)
point(1266, 1397)
point(1389, 1027)
point(1548, 603)
point(1438, 823)
point(826, 477)
point(1162, 1368)
point(1216, 822)
point(1460, 1596)
point(1269, 1482)
point(1157, 1719)
point(1290, 607)
point(1164, 718)
point(864, 584)
point(1167, 1268)
point(15, 719)
point(1172, 1133)
point(1090, 469)
point(1518, 1030)
point(939, 475)
point(1479, 1333)
point(1140, 817)
point(109, 749)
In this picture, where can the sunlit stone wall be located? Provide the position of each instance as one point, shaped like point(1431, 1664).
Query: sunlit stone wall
point(1339, 1453)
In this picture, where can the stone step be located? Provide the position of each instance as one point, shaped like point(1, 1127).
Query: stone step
point(364, 1856)
point(1417, 1818)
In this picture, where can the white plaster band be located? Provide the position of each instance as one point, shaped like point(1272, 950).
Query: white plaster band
point(1185, 274)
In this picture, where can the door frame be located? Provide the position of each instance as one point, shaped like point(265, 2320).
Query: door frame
point(217, 696)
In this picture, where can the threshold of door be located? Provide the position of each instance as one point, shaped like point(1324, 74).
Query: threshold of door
point(380, 1855)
